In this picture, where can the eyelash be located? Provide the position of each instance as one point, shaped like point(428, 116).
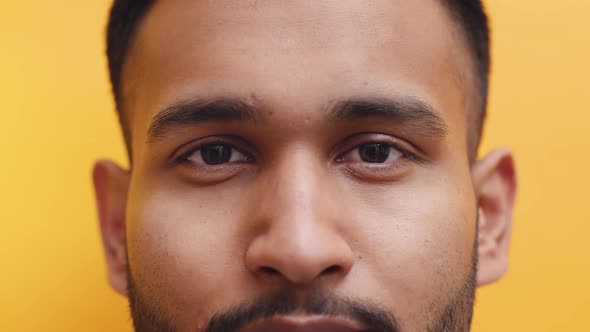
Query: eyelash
point(182, 158)
point(406, 154)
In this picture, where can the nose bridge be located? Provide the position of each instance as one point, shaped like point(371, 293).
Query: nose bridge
point(300, 241)
point(295, 190)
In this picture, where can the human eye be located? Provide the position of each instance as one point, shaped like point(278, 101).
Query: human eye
point(212, 159)
point(378, 157)
point(373, 153)
point(212, 154)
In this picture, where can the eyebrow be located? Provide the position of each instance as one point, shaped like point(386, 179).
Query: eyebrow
point(193, 112)
point(418, 116)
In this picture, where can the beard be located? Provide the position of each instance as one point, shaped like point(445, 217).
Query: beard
point(455, 316)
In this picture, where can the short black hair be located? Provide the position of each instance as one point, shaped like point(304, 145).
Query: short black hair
point(473, 21)
point(125, 16)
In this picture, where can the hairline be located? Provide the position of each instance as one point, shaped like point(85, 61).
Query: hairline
point(475, 101)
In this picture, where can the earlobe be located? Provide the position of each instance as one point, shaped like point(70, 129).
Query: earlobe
point(494, 178)
point(111, 184)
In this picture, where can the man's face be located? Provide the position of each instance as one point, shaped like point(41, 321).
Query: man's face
point(297, 160)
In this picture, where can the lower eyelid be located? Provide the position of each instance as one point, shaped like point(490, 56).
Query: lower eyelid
point(378, 172)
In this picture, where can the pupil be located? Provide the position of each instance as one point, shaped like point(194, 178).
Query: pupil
point(374, 152)
point(215, 154)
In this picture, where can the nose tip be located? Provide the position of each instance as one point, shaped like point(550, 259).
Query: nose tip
point(300, 236)
point(299, 258)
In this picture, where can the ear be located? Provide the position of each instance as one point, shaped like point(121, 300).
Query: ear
point(111, 184)
point(494, 179)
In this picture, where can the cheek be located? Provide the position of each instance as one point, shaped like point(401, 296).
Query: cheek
point(182, 250)
point(418, 240)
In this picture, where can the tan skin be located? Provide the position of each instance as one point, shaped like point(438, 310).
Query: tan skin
point(297, 206)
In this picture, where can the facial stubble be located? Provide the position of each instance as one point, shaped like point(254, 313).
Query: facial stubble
point(455, 317)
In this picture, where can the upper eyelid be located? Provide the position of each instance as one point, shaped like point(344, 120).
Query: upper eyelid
point(231, 140)
point(404, 145)
point(345, 145)
point(403, 151)
point(190, 152)
point(354, 141)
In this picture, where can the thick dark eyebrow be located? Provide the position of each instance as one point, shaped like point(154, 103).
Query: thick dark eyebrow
point(417, 116)
point(192, 112)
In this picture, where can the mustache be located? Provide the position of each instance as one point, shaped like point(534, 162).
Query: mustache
point(283, 303)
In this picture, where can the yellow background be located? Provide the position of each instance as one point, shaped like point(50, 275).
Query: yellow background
point(57, 116)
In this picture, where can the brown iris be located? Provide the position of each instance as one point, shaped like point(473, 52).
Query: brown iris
point(215, 154)
point(374, 152)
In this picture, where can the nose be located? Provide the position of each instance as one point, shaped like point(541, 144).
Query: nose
point(300, 254)
point(300, 241)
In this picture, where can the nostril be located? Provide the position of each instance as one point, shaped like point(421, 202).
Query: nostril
point(332, 270)
point(269, 271)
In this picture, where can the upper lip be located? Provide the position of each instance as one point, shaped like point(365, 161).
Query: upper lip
point(305, 323)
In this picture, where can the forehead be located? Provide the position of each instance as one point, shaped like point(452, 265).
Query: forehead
point(302, 53)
